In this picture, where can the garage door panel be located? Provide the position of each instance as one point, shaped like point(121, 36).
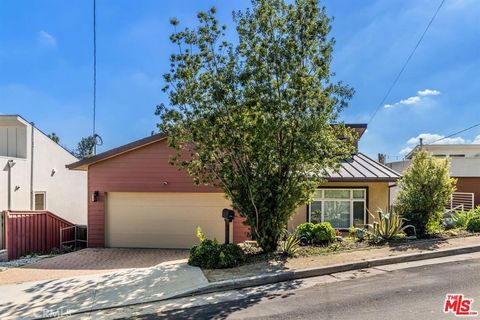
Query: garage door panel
point(162, 220)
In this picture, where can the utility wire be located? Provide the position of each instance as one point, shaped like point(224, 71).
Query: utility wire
point(406, 63)
point(454, 134)
point(94, 75)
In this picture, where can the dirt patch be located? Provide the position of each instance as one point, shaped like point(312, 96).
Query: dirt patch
point(340, 257)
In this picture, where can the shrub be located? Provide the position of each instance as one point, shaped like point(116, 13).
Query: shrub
point(473, 224)
point(305, 232)
point(461, 218)
point(316, 232)
point(423, 190)
point(352, 231)
point(324, 232)
point(209, 254)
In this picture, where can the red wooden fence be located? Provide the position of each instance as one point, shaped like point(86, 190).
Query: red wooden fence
point(33, 232)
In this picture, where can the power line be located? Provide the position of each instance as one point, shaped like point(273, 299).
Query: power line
point(406, 63)
point(94, 73)
point(456, 133)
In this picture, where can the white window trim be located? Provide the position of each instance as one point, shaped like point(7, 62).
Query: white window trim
point(322, 199)
point(44, 200)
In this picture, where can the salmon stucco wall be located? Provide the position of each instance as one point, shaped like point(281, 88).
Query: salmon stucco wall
point(146, 169)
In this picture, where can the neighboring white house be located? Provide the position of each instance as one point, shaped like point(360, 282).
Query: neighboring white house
point(465, 165)
point(33, 175)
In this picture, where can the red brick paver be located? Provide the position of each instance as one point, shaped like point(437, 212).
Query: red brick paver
point(90, 261)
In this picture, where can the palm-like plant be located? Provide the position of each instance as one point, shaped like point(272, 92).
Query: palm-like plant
point(388, 225)
point(291, 244)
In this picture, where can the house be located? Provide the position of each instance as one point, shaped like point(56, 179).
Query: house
point(33, 174)
point(138, 199)
point(465, 167)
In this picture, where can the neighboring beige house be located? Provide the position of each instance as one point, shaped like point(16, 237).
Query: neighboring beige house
point(33, 175)
point(465, 167)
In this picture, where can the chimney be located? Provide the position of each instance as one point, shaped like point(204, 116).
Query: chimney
point(381, 158)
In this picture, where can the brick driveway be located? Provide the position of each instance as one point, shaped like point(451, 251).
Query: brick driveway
point(90, 261)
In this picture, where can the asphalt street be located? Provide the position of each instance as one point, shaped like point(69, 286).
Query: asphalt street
point(412, 293)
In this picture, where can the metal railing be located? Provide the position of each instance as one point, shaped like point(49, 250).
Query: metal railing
point(467, 199)
point(77, 240)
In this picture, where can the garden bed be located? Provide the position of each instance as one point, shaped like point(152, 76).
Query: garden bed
point(340, 252)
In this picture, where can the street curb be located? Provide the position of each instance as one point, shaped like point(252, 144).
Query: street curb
point(300, 274)
point(322, 271)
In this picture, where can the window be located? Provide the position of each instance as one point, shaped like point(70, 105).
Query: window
point(343, 208)
point(40, 200)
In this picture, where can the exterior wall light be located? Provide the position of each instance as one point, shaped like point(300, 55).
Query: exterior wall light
point(95, 196)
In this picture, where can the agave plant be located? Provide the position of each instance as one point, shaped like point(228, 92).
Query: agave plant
point(388, 225)
point(461, 218)
point(291, 244)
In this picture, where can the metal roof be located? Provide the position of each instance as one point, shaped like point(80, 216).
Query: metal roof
point(362, 168)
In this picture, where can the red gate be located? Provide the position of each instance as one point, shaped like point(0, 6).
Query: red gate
point(32, 232)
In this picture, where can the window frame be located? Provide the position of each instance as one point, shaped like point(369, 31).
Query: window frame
point(351, 200)
point(44, 193)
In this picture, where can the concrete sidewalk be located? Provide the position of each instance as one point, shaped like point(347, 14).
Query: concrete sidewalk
point(52, 298)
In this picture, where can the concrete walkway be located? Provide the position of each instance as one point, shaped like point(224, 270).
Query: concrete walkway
point(59, 297)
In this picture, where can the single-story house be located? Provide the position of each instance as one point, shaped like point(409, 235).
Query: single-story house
point(138, 199)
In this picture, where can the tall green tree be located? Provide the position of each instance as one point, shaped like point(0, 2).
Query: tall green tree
point(85, 148)
point(424, 190)
point(258, 118)
point(54, 137)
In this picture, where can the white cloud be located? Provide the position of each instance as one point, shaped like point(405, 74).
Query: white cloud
point(46, 39)
point(411, 100)
point(432, 138)
point(405, 151)
point(414, 99)
point(428, 92)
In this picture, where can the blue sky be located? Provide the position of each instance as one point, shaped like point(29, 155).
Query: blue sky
point(46, 66)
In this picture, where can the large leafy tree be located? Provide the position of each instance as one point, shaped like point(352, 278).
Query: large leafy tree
point(424, 190)
point(258, 118)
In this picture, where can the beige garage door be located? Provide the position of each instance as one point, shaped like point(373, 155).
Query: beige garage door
point(163, 220)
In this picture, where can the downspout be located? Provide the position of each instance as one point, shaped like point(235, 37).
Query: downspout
point(32, 143)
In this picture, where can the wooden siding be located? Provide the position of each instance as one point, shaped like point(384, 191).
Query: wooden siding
point(146, 169)
point(470, 184)
point(33, 232)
